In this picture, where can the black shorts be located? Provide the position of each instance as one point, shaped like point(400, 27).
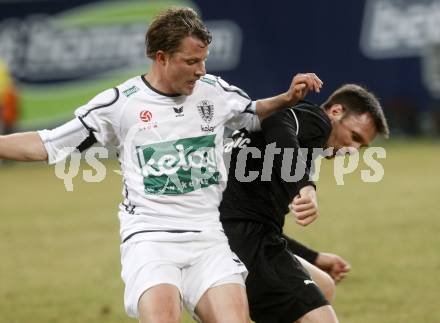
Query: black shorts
point(278, 287)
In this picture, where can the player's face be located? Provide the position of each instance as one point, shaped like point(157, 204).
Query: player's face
point(184, 67)
point(352, 132)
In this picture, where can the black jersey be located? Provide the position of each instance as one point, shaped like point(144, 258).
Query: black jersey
point(256, 189)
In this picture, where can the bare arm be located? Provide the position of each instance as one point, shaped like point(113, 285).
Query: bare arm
point(300, 86)
point(26, 146)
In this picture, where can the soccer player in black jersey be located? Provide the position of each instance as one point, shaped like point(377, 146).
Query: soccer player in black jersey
point(260, 192)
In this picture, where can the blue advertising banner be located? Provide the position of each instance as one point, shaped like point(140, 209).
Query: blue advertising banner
point(61, 53)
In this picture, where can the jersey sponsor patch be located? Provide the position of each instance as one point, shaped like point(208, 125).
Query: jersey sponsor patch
point(180, 166)
point(208, 80)
point(130, 91)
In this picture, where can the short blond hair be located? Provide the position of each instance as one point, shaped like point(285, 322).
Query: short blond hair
point(170, 27)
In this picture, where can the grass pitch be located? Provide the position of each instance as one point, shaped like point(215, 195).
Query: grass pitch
point(60, 250)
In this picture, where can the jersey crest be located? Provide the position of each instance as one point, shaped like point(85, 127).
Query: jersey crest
point(206, 110)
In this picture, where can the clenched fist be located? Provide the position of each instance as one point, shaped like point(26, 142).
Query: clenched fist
point(302, 84)
point(305, 206)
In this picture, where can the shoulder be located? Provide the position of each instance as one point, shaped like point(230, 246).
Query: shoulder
point(310, 111)
point(109, 100)
point(119, 93)
point(130, 87)
point(104, 99)
point(209, 80)
point(312, 120)
point(219, 85)
point(285, 117)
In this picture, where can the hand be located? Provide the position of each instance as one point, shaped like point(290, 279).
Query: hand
point(305, 206)
point(332, 264)
point(301, 85)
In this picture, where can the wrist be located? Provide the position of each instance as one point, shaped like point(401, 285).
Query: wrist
point(307, 190)
point(289, 98)
point(319, 261)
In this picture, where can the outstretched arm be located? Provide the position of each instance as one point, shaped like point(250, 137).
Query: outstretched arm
point(26, 146)
point(92, 124)
point(300, 86)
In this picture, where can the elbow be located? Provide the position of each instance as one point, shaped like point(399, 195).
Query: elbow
point(35, 152)
point(41, 156)
point(38, 155)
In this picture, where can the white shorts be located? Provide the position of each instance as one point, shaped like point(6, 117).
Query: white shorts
point(193, 262)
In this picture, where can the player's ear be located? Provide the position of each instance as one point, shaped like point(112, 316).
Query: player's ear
point(161, 57)
point(336, 111)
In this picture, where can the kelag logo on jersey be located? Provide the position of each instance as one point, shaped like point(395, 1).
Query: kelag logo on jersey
point(180, 166)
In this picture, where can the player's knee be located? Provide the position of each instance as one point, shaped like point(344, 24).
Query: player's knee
point(327, 286)
point(158, 312)
point(220, 306)
point(237, 315)
point(323, 314)
point(160, 315)
point(159, 304)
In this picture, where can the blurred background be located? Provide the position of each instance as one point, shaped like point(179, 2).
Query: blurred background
point(60, 249)
point(60, 53)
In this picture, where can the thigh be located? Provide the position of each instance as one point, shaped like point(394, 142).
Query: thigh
point(146, 264)
point(214, 262)
point(225, 303)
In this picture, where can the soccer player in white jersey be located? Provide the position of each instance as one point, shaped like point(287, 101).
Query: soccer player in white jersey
point(167, 127)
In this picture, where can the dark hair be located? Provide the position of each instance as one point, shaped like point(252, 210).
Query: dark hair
point(357, 100)
point(170, 27)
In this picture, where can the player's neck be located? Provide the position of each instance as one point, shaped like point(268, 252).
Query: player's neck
point(158, 82)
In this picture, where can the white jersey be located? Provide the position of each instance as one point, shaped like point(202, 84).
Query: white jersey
point(170, 149)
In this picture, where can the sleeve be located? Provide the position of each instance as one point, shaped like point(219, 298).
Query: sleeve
point(63, 140)
point(101, 116)
point(94, 122)
point(300, 250)
point(281, 128)
point(243, 109)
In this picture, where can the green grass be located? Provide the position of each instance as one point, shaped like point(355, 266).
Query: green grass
point(60, 250)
